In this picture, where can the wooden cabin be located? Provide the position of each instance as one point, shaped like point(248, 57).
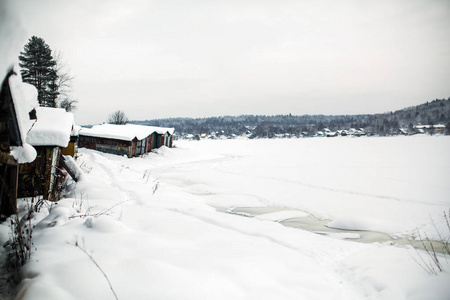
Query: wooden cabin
point(50, 135)
point(439, 128)
point(130, 140)
point(17, 109)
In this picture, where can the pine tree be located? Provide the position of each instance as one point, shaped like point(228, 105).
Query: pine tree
point(38, 68)
point(52, 89)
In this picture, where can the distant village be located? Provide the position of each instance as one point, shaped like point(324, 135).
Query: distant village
point(432, 117)
point(326, 132)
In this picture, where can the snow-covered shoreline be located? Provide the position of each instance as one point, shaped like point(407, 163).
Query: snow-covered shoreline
point(161, 236)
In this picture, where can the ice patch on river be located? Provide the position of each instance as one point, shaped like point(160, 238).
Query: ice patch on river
point(351, 223)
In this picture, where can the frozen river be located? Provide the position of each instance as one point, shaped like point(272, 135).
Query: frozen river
point(214, 219)
point(392, 185)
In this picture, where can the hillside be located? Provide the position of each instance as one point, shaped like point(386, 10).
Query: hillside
point(389, 123)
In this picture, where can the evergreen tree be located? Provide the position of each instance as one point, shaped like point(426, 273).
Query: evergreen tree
point(52, 89)
point(38, 68)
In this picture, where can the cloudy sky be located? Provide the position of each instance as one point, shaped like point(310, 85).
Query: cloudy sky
point(198, 58)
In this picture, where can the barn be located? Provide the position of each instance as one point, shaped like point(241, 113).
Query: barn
point(130, 139)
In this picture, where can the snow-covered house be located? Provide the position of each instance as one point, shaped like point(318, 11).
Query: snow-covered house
point(18, 101)
point(439, 128)
point(357, 132)
point(329, 133)
point(50, 134)
point(130, 140)
point(403, 131)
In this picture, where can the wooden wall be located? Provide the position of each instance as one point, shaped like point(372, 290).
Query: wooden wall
point(106, 145)
point(40, 177)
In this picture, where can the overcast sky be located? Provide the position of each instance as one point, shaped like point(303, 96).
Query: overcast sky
point(198, 58)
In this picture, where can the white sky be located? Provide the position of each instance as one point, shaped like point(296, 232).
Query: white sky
point(199, 58)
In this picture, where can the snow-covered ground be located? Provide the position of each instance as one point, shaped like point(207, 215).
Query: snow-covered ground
point(158, 228)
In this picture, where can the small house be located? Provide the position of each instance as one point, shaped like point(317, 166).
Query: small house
point(18, 101)
point(439, 128)
point(50, 135)
point(130, 139)
point(331, 134)
point(403, 131)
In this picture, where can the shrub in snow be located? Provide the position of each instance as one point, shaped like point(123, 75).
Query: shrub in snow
point(436, 251)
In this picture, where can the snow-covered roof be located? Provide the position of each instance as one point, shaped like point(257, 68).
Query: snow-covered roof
point(75, 130)
point(24, 97)
point(25, 100)
point(124, 132)
point(53, 127)
point(420, 126)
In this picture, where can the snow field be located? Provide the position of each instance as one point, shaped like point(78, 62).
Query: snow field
point(176, 242)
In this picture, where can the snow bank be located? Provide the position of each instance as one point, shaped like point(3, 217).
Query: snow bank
point(52, 128)
point(391, 273)
point(73, 167)
point(149, 223)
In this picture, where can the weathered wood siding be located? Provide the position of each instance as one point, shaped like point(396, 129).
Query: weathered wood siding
point(40, 177)
point(153, 137)
point(106, 145)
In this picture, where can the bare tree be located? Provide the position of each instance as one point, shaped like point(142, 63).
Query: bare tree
point(118, 117)
point(64, 84)
point(68, 104)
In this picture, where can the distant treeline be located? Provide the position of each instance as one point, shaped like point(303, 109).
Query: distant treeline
point(430, 113)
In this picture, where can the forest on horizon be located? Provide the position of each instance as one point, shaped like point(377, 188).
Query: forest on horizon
point(430, 113)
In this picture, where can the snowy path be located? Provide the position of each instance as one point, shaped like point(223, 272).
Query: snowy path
point(165, 239)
